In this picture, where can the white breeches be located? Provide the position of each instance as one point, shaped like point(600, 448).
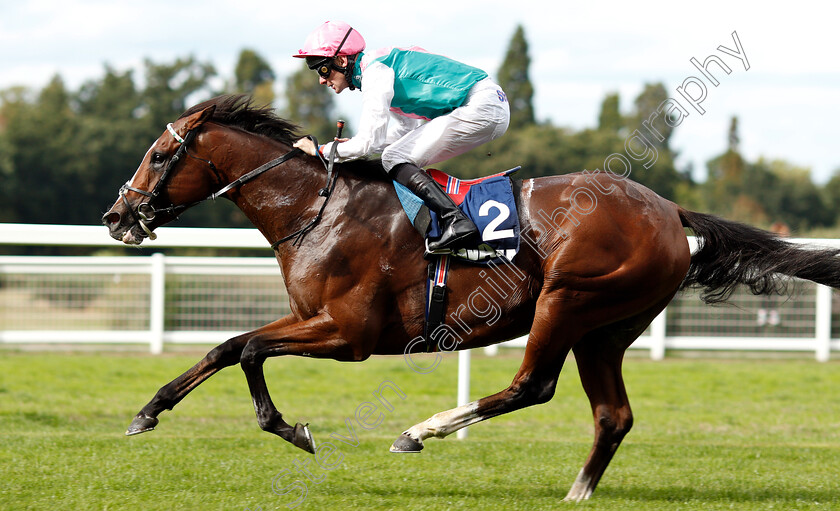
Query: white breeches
point(483, 117)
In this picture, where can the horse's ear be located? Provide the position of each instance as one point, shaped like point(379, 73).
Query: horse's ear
point(197, 119)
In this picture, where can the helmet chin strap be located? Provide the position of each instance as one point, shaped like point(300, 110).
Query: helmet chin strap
point(347, 71)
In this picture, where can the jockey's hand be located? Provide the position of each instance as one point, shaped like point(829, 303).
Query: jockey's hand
point(306, 145)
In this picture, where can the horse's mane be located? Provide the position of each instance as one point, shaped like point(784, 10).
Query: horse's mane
point(239, 111)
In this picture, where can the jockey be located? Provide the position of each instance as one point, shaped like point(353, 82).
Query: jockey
point(417, 109)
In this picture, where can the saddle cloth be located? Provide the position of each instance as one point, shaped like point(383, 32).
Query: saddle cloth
point(487, 201)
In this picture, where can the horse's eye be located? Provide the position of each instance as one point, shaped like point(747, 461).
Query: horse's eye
point(158, 159)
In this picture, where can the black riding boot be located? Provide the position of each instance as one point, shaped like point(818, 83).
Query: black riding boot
point(458, 231)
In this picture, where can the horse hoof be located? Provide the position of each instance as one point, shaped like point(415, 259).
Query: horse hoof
point(303, 438)
point(141, 424)
point(405, 443)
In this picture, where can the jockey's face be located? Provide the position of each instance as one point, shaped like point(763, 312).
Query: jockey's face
point(336, 81)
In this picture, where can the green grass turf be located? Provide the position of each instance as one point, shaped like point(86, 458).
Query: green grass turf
point(709, 434)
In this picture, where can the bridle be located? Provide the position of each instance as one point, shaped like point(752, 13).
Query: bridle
point(146, 212)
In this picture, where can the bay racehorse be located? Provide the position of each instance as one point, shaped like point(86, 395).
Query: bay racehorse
point(600, 257)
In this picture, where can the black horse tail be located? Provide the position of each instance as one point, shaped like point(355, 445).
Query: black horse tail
point(730, 253)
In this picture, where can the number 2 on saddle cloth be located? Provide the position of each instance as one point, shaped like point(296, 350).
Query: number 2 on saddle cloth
point(487, 201)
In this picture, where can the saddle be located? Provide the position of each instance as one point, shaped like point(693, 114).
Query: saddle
point(487, 201)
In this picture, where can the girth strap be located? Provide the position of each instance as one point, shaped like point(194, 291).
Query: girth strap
point(436, 298)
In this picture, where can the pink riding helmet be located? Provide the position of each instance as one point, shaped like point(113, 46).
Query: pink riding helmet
point(332, 39)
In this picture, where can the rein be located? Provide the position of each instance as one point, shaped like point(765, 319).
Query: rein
point(145, 212)
point(325, 192)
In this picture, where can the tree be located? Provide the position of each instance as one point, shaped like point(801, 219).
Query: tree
point(831, 194)
point(171, 88)
point(610, 119)
point(764, 192)
point(514, 80)
point(734, 137)
point(254, 76)
point(65, 154)
point(111, 132)
point(727, 175)
point(662, 176)
point(112, 97)
point(653, 126)
point(45, 156)
point(10, 100)
point(800, 203)
point(310, 104)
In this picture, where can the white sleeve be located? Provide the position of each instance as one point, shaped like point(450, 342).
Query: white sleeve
point(377, 93)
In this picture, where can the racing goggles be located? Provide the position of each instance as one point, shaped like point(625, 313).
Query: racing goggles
point(322, 65)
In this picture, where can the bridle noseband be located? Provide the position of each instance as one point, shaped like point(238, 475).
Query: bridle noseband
point(146, 212)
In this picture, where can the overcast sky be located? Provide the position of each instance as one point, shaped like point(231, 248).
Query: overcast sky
point(788, 102)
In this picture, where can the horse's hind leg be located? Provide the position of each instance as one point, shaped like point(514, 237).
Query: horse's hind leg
point(224, 355)
point(533, 384)
point(599, 365)
point(599, 356)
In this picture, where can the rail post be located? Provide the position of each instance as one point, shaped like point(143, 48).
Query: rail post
point(823, 323)
point(657, 336)
point(157, 299)
point(463, 384)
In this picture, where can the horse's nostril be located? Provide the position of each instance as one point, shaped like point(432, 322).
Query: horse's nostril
point(111, 218)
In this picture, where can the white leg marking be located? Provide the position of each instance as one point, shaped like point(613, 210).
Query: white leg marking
point(445, 423)
point(581, 489)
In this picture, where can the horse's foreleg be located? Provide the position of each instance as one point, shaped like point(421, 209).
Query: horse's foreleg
point(599, 365)
point(224, 355)
point(533, 384)
point(316, 337)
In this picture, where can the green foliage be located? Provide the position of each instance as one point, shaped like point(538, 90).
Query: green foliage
point(610, 120)
point(113, 135)
point(765, 192)
point(799, 202)
point(310, 104)
point(65, 154)
point(172, 88)
point(254, 76)
point(831, 196)
point(514, 80)
point(251, 70)
point(647, 103)
point(42, 138)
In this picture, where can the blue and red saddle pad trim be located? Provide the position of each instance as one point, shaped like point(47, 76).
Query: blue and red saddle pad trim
point(490, 204)
point(487, 201)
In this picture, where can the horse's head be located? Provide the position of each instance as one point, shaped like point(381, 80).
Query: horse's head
point(168, 181)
